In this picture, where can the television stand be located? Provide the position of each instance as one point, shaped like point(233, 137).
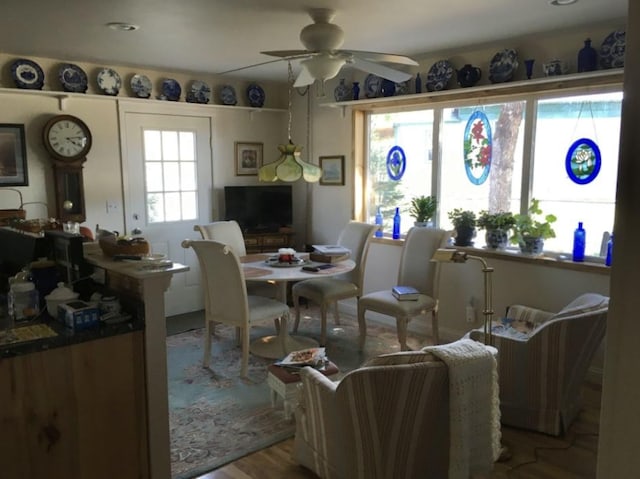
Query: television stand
point(267, 242)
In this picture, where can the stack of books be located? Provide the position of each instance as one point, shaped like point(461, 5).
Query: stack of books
point(405, 293)
point(329, 253)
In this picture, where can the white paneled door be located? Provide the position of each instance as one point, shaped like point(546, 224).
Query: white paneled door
point(167, 173)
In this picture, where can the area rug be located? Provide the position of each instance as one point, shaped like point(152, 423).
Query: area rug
point(216, 417)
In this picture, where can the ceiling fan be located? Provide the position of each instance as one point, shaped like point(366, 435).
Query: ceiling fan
point(323, 58)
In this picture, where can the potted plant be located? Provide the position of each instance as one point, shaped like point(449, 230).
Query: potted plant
point(422, 209)
point(464, 222)
point(532, 228)
point(497, 226)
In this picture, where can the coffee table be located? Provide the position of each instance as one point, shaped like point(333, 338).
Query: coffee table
point(256, 268)
point(284, 383)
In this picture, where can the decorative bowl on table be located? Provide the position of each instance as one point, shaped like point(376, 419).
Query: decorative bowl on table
point(112, 246)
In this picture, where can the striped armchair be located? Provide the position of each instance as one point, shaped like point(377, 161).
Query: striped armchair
point(388, 419)
point(541, 372)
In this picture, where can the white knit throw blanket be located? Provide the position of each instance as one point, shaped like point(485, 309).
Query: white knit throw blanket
point(474, 407)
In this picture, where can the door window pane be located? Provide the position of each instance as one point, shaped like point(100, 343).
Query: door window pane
point(170, 175)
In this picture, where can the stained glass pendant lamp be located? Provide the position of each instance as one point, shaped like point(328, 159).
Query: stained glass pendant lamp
point(290, 166)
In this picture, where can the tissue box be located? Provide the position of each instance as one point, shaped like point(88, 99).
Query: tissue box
point(78, 315)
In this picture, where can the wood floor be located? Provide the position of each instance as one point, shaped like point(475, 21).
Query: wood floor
point(533, 455)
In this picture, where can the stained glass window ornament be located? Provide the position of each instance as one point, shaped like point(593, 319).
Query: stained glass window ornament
point(478, 143)
point(396, 163)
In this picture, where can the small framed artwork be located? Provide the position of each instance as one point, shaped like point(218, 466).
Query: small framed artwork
point(332, 170)
point(13, 155)
point(248, 158)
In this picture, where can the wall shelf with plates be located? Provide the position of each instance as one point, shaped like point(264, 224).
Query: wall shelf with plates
point(601, 78)
point(64, 97)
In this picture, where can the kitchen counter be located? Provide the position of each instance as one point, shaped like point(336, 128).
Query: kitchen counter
point(61, 336)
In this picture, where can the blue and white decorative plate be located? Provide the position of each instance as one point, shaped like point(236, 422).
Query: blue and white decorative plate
point(171, 89)
point(402, 88)
point(255, 95)
point(228, 95)
point(503, 65)
point(27, 74)
point(372, 86)
point(73, 78)
point(141, 86)
point(612, 50)
point(200, 92)
point(439, 75)
point(109, 81)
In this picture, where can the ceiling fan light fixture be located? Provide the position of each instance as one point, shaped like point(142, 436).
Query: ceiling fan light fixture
point(324, 67)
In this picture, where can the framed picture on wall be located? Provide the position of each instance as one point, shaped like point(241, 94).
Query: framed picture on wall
point(13, 155)
point(332, 170)
point(248, 158)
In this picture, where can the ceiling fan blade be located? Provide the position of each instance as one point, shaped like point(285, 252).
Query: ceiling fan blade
point(288, 53)
point(396, 76)
point(304, 78)
point(382, 57)
point(250, 66)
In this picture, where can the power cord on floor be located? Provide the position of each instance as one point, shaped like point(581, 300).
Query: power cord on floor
point(548, 448)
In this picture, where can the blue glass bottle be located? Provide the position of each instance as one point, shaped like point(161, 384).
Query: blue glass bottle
point(356, 90)
point(418, 83)
point(579, 239)
point(396, 224)
point(379, 232)
point(609, 251)
point(587, 58)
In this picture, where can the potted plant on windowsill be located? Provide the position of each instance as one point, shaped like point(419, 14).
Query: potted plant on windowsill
point(497, 226)
point(422, 209)
point(464, 222)
point(532, 229)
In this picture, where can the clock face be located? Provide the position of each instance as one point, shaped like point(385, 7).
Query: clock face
point(67, 137)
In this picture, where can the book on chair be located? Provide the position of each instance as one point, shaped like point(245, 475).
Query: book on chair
point(405, 293)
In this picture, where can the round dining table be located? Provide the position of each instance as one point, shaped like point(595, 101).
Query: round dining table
point(266, 267)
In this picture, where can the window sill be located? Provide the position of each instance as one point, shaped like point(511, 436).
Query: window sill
point(546, 259)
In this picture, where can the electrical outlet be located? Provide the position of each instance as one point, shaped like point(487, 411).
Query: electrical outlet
point(470, 314)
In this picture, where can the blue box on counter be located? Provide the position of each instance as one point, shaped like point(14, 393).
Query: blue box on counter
point(78, 315)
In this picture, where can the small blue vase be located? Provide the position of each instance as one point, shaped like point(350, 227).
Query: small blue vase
point(587, 58)
point(356, 90)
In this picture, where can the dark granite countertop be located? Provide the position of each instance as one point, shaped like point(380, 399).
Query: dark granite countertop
point(67, 337)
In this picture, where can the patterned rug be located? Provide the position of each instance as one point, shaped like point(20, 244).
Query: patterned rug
point(216, 417)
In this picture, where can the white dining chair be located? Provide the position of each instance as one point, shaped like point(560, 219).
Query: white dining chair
point(417, 270)
point(226, 298)
point(324, 291)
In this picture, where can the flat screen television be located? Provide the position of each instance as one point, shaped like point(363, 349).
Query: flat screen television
point(259, 209)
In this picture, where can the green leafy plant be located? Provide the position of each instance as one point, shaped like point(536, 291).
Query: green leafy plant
point(534, 224)
point(502, 220)
point(423, 208)
point(462, 218)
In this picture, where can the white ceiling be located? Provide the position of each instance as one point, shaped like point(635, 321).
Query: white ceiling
point(213, 36)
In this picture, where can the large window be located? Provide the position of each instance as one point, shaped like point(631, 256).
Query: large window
point(413, 132)
point(498, 156)
point(560, 122)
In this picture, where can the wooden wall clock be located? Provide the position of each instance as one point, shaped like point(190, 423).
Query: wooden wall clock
point(68, 140)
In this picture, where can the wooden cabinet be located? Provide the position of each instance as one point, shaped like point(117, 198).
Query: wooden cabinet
point(76, 411)
point(267, 242)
